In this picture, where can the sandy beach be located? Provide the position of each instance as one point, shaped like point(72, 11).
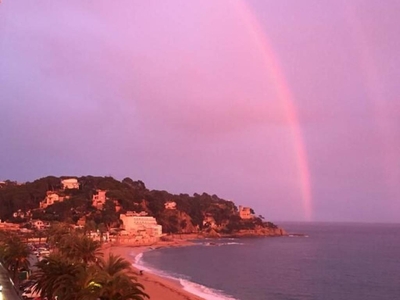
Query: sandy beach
point(158, 288)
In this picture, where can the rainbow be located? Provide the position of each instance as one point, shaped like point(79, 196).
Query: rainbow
point(285, 96)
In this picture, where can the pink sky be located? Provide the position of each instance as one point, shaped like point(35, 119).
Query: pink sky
point(180, 94)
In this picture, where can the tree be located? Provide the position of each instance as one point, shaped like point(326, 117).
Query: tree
point(183, 225)
point(57, 233)
point(114, 280)
point(14, 254)
point(80, 248)
point(90, 225)
point(38, 233)
point(57, 276)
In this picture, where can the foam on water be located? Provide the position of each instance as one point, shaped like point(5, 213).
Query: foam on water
point(139, 264)
point(189, 286)
point(203, 291)
point(232, 243)
point(222, 244)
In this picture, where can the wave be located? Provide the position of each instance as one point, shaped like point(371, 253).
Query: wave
point(203, 291)
point(298, 235)
point(189, 286)
point(222, 244)
point(138, 257)
point(139, 264)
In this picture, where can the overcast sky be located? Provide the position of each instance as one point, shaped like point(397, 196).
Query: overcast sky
point(187, 96)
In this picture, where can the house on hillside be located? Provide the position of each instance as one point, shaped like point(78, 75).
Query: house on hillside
point(245, 213)
point(99, 199)
point(50, 199)
point(70, 183)
point(39, 224)
point(170, 205)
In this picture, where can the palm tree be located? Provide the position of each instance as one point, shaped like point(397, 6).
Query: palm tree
point(114, 280)
point(77, 271)
point(15, 255)
point(107, 280)
point(80, 248)
point(57, 232)
point(58, 277)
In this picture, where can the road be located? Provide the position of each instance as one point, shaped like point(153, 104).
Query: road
point(9, 292)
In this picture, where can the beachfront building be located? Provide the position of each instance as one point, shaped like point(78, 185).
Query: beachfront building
point(4, 226)
point(140, 224)
point(70, 183)
point(39, 224)
point(170, 205)
point(99, 199)
point(50, 199)
point(245, 213)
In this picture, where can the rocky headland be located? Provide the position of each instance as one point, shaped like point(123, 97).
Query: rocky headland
point(97, 203)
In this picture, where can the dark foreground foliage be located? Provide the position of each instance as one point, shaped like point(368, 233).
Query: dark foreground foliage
point(76, 270)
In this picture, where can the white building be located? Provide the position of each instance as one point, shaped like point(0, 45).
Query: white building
point(51, 198)
point(170, 205)
point(140, 224)
point(245, 213)
point(70, 183)
point(39, 224)
point(99, 198)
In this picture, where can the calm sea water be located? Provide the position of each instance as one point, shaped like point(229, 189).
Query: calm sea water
point(334, 261)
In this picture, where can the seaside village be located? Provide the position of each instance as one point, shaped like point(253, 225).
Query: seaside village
point(136, 227)
point(128, 228)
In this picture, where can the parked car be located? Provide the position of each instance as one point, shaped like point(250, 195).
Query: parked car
point(44, 253)
point(30, 294)
point(26, 284)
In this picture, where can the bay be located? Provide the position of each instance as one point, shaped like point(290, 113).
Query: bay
point(332, 261)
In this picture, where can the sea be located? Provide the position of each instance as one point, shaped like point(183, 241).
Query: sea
point(323, 261)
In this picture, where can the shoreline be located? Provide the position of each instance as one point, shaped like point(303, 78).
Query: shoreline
point(157, 287)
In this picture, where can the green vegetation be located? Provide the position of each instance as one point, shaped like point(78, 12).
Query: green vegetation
point(126, 195)
point(76, 271)
point(14, 254)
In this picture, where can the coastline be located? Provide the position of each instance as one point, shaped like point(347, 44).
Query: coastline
point(157, 287)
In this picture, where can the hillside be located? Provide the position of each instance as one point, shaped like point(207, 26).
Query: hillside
point(207, 214)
